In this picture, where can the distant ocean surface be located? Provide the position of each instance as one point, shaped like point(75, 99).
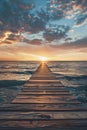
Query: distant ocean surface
point(13, 75)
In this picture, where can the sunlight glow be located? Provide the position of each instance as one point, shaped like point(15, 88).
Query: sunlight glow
point(42, 58)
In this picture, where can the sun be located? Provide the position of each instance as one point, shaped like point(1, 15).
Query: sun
point(42, 58)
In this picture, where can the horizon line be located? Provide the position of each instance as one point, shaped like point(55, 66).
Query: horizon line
point(44, 61)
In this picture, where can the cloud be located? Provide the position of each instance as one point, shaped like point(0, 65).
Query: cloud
point(81, 20)
point(4, 36)
point(9, 37)
point(79, 44)
point(14, 14)
point(37, 24)
point(56, 32)
point(69, 9)
point(18, 16)
point(32, 42)
point(82, 16)
point(68, 39)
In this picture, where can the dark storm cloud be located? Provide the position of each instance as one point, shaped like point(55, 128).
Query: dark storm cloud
point(55, 32)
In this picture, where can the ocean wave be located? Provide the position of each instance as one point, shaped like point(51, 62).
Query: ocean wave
point(71, 77)
point(75, 77)
point(1, 100)
point(80, 92)
point(11, 84)
point(17, 72)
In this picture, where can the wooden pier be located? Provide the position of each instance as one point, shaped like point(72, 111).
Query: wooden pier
point(43, 104)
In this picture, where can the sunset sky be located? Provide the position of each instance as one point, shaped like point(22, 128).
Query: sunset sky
point(31, 29)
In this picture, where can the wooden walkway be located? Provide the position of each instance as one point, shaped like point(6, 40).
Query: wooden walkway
point(44, 103)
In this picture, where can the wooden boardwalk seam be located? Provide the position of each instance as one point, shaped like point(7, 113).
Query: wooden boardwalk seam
point(44, 101)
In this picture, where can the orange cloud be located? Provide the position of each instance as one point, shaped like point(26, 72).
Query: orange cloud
point(8, 37)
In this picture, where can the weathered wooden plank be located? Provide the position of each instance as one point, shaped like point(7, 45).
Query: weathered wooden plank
point(44, 75)
point(49, 98)
point(44, 85)
point(43, 78)
point(38, 100)
point(46, 97)
point(44, 81)
point(44, 92)
point(44, 125)
point(42, 115)
point(43, 107)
